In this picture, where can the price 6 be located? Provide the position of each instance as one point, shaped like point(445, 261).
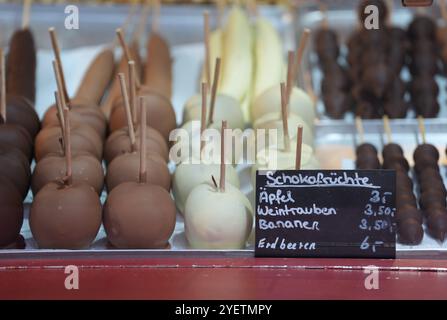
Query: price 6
point(365, 245)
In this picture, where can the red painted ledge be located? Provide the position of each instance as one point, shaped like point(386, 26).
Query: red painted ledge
point(222, 278)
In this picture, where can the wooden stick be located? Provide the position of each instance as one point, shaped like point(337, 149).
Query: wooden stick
point(421, 11)
point(133, 91)
point(299, 147)
point(3, 86)
point(143, 21)
point(132, 10)
point(421, 125)
point(284, 112)
point(387, 128)
point(206, 40)
point(129, 119)
point(390, 11)
point(126, 22)
point(299, 57)
point(220, 12)
point(126, 51)
point(360, 129)
point(143, 173)
point(122, 41)
point(26, 13)
point(203, 117)
point(252, 8)
point(60, 111)
point(155, 16)
point(323, 9)
point(57, 56)
point(222, 157)
point(289, 84)
point(60, 86)
point(214, 90)
point(309, 87)
point(293, 10)
point(67, 144)
point(443, 8)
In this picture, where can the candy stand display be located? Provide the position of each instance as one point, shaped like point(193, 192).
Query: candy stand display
point(102, 166)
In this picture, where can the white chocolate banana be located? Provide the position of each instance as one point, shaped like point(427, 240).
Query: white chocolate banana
point(268, 54)
point(237, 60)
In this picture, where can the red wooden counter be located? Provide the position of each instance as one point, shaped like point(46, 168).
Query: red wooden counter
point(198, 277)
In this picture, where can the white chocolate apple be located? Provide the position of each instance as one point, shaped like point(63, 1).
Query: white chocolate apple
point(225, 108)
point(270, 101)
point(217, 219)
point(277, 159)
point(273, 120)
point(188, 143)
point(273, 158)
point(188, 176)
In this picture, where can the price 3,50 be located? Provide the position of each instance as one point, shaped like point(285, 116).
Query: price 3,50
point(381, 211)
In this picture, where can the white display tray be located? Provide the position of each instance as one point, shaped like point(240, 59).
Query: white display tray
point(334, 138)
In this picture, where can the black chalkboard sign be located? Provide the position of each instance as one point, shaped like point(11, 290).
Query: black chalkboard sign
point(325, 213)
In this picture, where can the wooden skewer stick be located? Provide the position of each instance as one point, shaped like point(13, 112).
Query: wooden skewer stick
point(141, 27)
point(126, 22)
point(203, 117)
point(252, 8)
point(390, 11)
point(143, 173)
point(60, 86)
point(3, 86)
point(214, 90)
point(133, 91)
point(299, 57)
point(220, 4)
point(26, 13)
point(323, 10)
point(132, 10)
point(360, 129)
point(122, 41)
point(289, 84)
point(126, 51)
point(156, 15)
point(222, 157)
point(299, 147)
point(309, 87)
point(57, 55)
point(60, 111)
point(130, 127)
point(285, 125)
point(443, 7)
point(67, 144)
point(421, 125)
point(387, 128)
point(206, 40)
point(421, 11)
